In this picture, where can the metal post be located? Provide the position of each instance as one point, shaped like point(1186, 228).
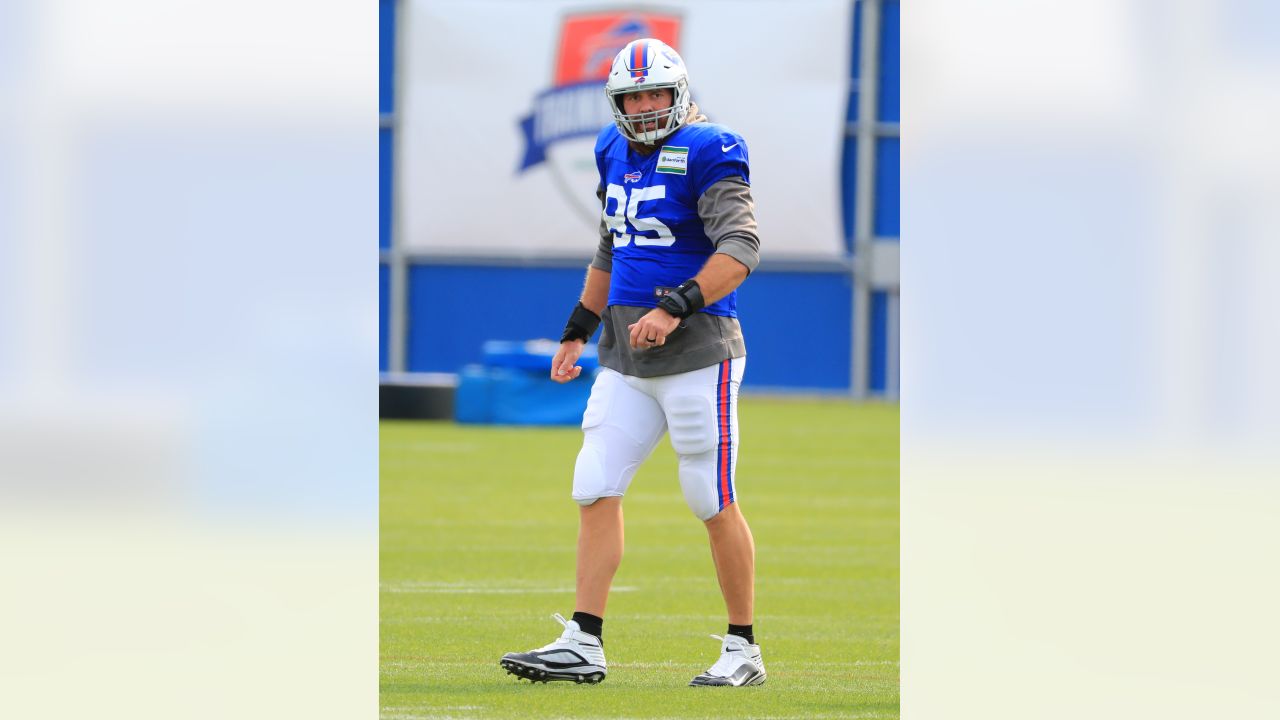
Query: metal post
point(399, 280)
point(864, 198)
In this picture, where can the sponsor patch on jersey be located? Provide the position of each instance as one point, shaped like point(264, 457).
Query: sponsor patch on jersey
point(673, 160)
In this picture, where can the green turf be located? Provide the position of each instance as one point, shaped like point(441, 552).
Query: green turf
point(478, 541)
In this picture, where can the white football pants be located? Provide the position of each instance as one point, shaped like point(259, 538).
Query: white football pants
point(627, 416)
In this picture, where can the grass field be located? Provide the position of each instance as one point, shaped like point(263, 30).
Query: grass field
point(477, 550)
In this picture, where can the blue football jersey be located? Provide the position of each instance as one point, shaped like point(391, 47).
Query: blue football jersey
point(651, 207)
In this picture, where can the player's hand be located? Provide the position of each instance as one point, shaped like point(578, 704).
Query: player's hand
point(653, 329)
point(562, 366)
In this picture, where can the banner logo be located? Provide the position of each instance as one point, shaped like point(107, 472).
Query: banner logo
point(575, 106)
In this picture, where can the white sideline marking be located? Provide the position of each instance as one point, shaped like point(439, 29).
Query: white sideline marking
point(431, 714)
point(826, 663)
point(434, 713)
point(442, 707)
point(652, 665)
point(446, 588)
point(797, 664)
point(790, 664)
point(410, 715)
point(432, 447)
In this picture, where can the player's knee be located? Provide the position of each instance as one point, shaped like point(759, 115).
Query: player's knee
point(705, 507)
point(721, 515)
point(590, 472)
point(589, 481)
point(691, 424)
point(698, 483)
point(704, 511)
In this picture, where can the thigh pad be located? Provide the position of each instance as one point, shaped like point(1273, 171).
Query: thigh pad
point(691, 420)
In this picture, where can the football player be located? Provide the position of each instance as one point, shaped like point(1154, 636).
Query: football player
point(677, 237)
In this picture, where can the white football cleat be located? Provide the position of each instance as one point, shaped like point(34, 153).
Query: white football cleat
point(740, 664)
point(575, 656)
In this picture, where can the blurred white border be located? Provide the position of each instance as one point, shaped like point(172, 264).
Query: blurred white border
point(188, 359)
point(1090, 406)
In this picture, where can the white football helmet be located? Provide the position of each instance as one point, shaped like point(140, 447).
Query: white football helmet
point(646, 64)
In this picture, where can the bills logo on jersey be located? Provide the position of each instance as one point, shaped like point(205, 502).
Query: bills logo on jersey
point(632, 177)
point(566, 116)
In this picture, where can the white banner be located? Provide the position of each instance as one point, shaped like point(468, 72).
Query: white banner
point(502, 99)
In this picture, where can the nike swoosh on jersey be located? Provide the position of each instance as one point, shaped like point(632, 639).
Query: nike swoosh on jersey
point(727, 148)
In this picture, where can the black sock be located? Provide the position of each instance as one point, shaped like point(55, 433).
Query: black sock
point(590, 624)
point(742, 631)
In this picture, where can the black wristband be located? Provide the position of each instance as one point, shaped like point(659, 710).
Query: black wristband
point(582, 324)
point(684, 300)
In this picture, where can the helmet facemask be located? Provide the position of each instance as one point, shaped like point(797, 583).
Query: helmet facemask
point(668, 119)
point(645, 65)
